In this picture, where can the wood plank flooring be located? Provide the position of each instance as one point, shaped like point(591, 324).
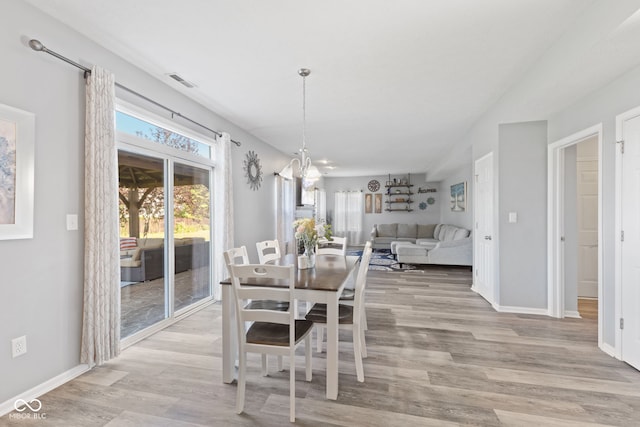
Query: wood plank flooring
point(439, 355)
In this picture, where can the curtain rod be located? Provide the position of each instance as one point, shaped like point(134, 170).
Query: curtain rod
point(39, 47)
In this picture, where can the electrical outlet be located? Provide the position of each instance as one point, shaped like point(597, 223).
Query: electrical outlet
point(19, 346)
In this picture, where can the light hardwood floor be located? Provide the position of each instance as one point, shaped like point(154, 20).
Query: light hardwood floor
point(439, 355)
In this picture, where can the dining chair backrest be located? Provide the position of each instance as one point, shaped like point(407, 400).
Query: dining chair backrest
point(283, 280)
point(236, 256)
point(361, 278)
point(268, 250)
point(337, 246)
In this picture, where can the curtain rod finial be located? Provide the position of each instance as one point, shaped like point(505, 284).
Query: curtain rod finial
point(36, 45)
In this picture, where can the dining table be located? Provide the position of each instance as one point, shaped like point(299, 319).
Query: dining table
point(323, 284)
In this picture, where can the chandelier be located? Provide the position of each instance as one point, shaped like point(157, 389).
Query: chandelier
point(306, 170)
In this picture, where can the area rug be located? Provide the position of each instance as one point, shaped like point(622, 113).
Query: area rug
point(382, 260)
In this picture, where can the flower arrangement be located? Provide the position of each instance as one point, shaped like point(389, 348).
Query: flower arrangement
point(308, 233)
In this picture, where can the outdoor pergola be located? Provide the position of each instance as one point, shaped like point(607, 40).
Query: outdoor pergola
point(137, 172)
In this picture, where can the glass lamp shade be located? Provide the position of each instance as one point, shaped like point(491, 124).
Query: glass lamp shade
point(313, 173)
point(287, 171)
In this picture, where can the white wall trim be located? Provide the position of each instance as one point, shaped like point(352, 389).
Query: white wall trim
point(620, 119)
point(608, 349)
point(45, 387)
point(573, 314)
point(555, 219)
point(521, 310)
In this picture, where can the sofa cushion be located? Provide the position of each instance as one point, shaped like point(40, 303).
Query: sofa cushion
point(129, 262)
point(407, 230)
point(151, 243)
point(427, 243)
point(387, 230)
point(425, 231)
point(436, 231)
point(447, 232)
point(412, 250)
point(461, 233)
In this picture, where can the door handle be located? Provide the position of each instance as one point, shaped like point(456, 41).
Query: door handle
point(487, 237)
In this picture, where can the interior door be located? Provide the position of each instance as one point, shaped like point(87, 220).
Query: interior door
point(630, 212)
point(587, 220)
point(483, 272)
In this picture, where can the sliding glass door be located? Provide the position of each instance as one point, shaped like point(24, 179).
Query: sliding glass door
point(191, 234)
point(165, 209)
point(142, 241)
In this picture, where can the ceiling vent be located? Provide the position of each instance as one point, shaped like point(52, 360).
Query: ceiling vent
point(180, 80)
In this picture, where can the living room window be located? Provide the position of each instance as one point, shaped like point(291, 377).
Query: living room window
point(165, 182)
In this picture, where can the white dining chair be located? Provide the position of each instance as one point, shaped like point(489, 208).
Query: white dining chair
point(336, 246)
point(348, 296)
point(272, 331)
point(268, 250)
point(349, 317)
point(239, 256)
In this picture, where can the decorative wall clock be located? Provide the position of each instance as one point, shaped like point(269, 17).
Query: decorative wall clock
point(253, 170)
point(373, 185)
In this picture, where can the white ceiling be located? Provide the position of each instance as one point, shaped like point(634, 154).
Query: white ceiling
point(394, 84)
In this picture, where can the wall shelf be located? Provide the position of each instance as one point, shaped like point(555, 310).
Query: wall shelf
point(399, 192)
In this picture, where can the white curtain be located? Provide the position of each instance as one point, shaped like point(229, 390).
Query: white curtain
point(348, 218)
point(101, 313)
point(321, 205)
point(285, 214)
point(223, 210)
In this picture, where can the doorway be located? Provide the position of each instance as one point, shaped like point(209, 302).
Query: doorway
point(575, 226)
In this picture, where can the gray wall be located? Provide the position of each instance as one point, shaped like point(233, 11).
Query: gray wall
point(41, 278)
point(431, 215)
point(463, 219)
point(522, 188)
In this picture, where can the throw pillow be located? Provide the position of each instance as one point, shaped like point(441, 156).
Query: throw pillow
point(127, 243)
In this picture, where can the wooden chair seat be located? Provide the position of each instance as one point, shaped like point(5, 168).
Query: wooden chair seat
point(276, 334)
point(268, 305)
point(318, 314)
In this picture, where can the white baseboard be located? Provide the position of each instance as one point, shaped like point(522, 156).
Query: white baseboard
point(573, 314)
point(521, 310)
point(45, 387)
point(608, 349)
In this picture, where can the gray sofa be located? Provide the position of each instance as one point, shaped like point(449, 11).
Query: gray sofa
point(425, 244)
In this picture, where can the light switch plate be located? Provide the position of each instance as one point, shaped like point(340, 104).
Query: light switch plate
point(72, 222)
point(513, 217)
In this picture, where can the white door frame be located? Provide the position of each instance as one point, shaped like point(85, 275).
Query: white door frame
point(620, 119)
point(555, 222)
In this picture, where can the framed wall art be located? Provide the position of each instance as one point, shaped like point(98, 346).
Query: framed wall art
point(17, 132)
point(368, 203)
point(378, 202)
point(459, 197)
